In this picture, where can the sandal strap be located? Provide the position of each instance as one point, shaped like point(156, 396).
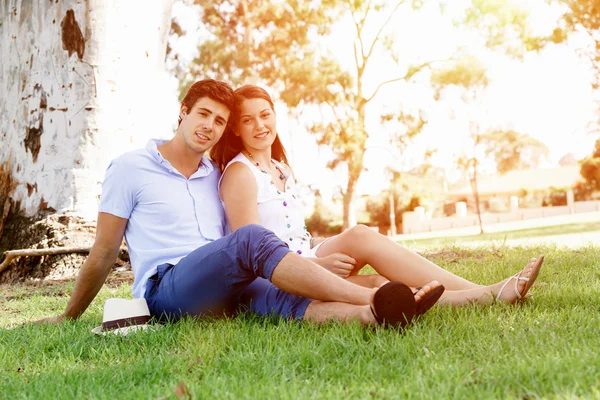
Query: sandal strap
point(517, 278)
point(375, 314)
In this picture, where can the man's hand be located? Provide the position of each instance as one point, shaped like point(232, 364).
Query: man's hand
point(95, 269)
point(338, 263)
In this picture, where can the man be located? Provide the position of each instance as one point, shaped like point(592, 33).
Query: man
point(164, 200)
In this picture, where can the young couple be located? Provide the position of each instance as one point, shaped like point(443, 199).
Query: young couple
point(167, 200)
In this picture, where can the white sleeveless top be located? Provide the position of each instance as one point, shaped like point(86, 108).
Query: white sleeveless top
point(280, 212)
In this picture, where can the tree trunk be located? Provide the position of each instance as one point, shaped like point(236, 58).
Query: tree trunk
point(355, 162)
point(355, 166)
point(475, 188)
point(82, 82)
point(348, 203)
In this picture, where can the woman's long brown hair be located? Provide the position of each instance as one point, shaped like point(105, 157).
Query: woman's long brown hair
point(231, 145)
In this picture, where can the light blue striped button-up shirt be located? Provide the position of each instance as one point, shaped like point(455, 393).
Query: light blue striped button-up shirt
point(168, 215)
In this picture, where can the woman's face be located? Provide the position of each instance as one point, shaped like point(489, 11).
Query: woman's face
point(256, 125)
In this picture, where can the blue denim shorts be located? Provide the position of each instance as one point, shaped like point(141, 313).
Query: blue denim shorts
point(214, 279)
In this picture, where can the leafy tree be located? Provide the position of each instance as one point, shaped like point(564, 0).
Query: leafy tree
point(471, 76)
point(590, 168)
point(319, 221)
point(276, 44)
point(378, 208)
point(504, 25)
point(271, 43)
point(510, 149)
point(585, 14)
point(513, 150)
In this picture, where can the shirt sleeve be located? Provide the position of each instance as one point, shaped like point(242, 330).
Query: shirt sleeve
point(118, 191)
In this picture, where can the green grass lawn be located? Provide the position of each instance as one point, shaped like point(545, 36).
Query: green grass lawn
point(545, 348)
point(555, 231)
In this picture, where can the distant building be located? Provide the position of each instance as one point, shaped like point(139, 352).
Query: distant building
point(516, 183)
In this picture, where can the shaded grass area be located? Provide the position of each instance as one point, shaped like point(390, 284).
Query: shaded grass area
point(556, 230)
point(546, 347)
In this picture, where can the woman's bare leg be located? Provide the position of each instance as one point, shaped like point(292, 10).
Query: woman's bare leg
point(390, 259)
point(489, 294)
point(481, 295)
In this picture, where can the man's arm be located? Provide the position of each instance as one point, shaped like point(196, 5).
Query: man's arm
point(109, 234)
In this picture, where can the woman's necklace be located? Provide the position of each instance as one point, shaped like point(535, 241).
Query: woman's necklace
point(264, 171)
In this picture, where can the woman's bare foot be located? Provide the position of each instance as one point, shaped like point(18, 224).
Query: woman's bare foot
point(516, 287)
point(427, 296)
point(509, 290)
point(424, 290)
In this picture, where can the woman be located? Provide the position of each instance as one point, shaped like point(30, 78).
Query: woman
point(257, 187)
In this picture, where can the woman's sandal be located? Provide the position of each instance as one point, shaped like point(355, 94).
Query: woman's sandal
point(394, 305)
point(529, 280)
point(428, 300)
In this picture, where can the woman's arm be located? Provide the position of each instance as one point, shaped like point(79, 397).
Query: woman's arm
point(239, 193)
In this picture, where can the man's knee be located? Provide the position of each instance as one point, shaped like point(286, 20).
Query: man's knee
point(253, 231)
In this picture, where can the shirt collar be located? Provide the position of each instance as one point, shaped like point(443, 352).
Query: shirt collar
point(205, 168)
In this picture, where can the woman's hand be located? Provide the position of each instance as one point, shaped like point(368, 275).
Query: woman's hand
point(338, 263)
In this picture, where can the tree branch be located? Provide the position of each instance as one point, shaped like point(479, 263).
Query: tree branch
point(362, 25)
point(356, 60)
point(381, 28)
point(409, 74)
point(12, 254)
point(335, 114)
point(359, 62)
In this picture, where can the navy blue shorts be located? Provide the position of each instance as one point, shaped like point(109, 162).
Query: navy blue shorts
point(216, 278)
point(264, 298)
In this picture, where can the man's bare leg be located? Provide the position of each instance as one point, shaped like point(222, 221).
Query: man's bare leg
point(297, 275)
point(323, 311)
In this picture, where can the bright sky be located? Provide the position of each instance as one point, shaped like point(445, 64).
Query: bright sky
point(547, 96)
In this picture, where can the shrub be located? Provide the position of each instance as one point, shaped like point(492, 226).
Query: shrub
point(556, 197)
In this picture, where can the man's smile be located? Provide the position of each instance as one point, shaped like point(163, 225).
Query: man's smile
point(202, 136)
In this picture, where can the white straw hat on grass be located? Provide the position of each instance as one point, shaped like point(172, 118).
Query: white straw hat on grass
point(124, 316)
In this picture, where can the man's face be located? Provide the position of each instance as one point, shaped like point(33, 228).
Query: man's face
point(203, 125)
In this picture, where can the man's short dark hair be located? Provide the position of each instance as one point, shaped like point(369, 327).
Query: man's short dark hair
point(214, 90)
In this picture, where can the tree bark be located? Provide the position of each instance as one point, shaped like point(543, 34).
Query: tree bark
point(82, 82)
